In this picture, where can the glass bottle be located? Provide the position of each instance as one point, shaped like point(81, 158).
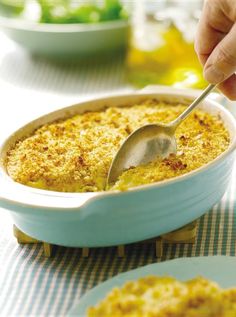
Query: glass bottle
point(161, 49)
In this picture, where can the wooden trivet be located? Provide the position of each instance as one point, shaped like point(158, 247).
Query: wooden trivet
point(186, 234)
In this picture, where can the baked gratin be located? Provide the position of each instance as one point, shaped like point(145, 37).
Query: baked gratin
point(167, 297)
point(74, 154)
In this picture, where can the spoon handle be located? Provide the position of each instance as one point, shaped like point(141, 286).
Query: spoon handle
point(194, 104)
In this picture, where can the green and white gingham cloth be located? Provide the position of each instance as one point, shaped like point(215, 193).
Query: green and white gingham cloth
point(30, 284)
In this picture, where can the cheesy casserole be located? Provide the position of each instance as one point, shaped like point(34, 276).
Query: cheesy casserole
point(167, 297)
point(74, 154)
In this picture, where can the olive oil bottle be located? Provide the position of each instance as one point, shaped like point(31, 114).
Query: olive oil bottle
point(160, 53)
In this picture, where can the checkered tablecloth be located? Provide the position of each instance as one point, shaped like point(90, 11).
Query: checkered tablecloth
point(30, 284)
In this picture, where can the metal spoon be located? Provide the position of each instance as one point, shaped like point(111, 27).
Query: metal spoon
point(149, 142)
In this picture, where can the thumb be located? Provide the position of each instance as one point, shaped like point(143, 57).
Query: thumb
point(221, 63)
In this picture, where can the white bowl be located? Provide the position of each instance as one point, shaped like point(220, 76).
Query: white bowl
point(63, 40)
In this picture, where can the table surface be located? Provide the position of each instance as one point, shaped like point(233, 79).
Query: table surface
point(30, 284)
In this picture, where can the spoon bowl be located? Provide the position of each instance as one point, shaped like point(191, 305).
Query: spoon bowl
point(143, 146)
point(150, 142)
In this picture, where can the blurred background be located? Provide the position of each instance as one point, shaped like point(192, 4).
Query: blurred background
point(157, 35)
point(57, 52)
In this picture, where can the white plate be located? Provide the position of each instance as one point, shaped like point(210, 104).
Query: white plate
point(221, 269)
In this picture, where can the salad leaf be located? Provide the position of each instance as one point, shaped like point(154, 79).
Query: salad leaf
point(12, 6)
point(65, 11)
point(111, 10)
point(85, 14)
point(53, 11)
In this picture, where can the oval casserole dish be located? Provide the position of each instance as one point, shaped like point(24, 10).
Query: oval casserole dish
point(112, 218)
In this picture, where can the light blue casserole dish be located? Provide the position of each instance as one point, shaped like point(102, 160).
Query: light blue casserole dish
point(112, 218)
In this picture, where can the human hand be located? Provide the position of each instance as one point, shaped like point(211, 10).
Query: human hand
point(215, 44)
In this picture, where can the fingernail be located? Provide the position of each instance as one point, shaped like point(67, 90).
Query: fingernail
point(213, 74)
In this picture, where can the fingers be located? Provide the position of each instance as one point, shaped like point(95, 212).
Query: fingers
point(215, 44)
point(203, 58)
point(214, 24)
point(221, 63)
point(228, 87)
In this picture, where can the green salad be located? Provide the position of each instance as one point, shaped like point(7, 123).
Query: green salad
point(66, 11)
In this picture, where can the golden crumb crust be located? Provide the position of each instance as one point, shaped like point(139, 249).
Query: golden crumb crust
point(74, 155)
point(154, 296)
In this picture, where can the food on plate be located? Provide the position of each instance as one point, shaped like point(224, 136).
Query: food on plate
point(154, 296)
point(74, 154)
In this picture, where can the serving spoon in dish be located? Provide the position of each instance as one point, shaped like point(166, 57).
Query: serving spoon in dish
point(150, 142)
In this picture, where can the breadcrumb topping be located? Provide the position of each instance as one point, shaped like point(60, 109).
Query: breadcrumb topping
point(74, 154)
point(154, 296)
